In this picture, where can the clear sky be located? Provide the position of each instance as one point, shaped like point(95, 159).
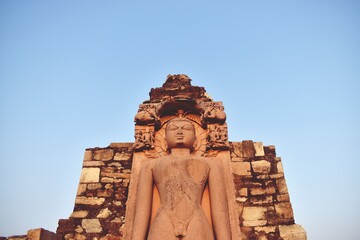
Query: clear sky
point(72, 74)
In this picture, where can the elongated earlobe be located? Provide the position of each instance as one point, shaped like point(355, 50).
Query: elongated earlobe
point(166, 147)
point(195, 144)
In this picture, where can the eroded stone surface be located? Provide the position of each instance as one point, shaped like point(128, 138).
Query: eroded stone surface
point(292, 232)
point(262, 166)
point(259, 149)
point(103, 154)
point(91, 225)
point(241, 168)
point(79, 214)
point(90, 175)
point(104, 213)
point(89, 200)
point(254, 213)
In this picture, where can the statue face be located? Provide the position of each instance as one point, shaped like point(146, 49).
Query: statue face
point(180, 134)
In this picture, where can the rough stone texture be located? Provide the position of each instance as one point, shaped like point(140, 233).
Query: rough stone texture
point(261, 167)
point(241, 168)
point(35, 234)
point(79, 214)
point(292, 232)
point(90, 175)
point(99, 209)
point(265, 204)
point(91, 225)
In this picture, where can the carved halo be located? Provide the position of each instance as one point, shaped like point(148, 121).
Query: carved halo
point(200, 133)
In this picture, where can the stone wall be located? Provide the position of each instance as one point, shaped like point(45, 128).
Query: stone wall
point(35, 234)
point(262, 197)
point(99, 210)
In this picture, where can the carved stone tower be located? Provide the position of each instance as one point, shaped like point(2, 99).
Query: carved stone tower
point(258, 203)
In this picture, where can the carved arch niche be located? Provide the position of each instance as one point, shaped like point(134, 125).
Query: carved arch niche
point(151, 121)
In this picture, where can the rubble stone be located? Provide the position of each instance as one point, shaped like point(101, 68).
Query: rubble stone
point(103, 154)
point(90, 175)
point(261, 167)
point(91, 225)
point(292, 232)
point(259, 149)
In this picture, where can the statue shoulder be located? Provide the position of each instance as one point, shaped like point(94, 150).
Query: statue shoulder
point(214, 163)
point(149, 164)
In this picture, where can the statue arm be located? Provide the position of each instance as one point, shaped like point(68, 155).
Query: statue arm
point(218, 201)
point(143, 203)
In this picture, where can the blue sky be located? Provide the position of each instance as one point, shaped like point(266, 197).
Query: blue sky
point(72, 74)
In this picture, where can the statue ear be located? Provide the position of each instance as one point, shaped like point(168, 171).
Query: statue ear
point(165, 145)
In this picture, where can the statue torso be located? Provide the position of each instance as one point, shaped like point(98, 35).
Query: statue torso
point(181, 183)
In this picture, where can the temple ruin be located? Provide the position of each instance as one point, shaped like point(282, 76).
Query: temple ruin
point(255, 199)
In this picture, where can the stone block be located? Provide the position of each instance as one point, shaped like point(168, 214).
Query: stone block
point(262, 191)
point(89, 200)
point(42, 234)
point(88, 155)
point(243, 192)
point(127, 145)
point(254, 213)
point(115, 164)
point(93, 164)
point(261, 167)
point(93, 186)
point(241, 199)
point(267, 229)
point(79, 229)
point(79, 214)
point(115, 175)
point(103, 154)
point(104, 213)
point(241, 168)
point(283, 198)
point(276, 176)
point(90, 175)
point(279, 167)
point(237, 150)
point(122, 156)
point(261, 200)
point(254, 223)
point(259, 149)
point(105, 193)
point(65, 226)
point(248, 148)
point(292, 232)
point(281, 184)
point(81, 189)
point(284, 210)
point(91, 225)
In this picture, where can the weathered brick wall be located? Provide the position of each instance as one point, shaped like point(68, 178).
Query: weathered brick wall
point(99, 210)
point(262, 196)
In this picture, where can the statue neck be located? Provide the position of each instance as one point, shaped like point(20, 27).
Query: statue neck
point(180, 152)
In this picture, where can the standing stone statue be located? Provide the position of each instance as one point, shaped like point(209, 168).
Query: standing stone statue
point(180, 179)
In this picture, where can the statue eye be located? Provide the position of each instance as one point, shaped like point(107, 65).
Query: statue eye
point(172, 128)
point(187, 128)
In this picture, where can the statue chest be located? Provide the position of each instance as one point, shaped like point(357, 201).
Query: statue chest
point(179, 171)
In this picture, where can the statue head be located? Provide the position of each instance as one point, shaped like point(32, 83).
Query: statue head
point(180, 133)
